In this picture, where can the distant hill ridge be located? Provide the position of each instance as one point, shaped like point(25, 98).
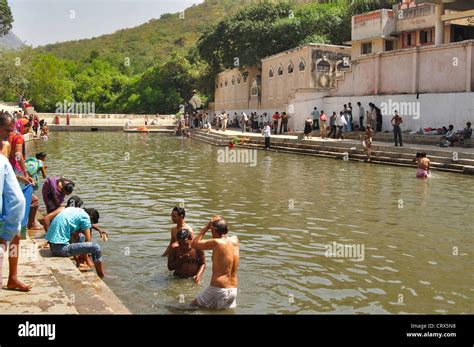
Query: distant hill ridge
point(148, 43)
point(11, 41)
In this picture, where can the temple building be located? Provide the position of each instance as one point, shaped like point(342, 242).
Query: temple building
point(419, 52)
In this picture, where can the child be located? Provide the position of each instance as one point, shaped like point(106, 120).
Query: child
point(366, 140)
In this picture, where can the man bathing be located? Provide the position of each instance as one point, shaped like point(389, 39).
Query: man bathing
point(222, 292)
point(423, 164)
point(177, 215)
point(184, 260)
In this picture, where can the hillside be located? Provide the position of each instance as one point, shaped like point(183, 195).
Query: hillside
point(150, 42)
point(156, 39)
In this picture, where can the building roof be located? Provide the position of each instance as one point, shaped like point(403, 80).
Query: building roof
point(456, 5)
point(303, 46)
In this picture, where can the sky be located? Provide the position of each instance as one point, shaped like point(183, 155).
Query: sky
point(40, 22)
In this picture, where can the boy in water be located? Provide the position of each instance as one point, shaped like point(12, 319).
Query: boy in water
point(423, 164)
point(177, 215)
point(184, 260)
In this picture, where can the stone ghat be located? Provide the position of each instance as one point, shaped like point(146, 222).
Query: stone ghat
point(58, 286)
point(454, 159)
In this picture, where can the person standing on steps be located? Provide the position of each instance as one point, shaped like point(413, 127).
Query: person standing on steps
point(361, 116)
point(267, 132)
point(397, 131)
point(315, 114)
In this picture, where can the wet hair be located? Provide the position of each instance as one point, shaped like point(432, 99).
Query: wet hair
point(183, 234)
point(68, 185)
point(75, 201)
point(221, 226)
point(40, 155)
point(93, 215)
point(181, 211)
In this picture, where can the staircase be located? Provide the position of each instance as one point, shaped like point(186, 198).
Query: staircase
point(441, 159)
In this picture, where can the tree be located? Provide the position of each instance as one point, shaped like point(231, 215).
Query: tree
point(50, 82)
point(100, 83)
point(6, 18)
point(162, 88)
point(15, 73)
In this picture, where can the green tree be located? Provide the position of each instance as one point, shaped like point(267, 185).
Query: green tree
point(162, 88)
point(6, 18)
point(50, 82)
point(100, 83)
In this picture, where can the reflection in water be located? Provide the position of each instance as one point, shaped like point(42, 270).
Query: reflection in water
point(286, 210)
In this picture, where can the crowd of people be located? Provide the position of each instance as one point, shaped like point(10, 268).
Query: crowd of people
point(67, 226)
point(450, 136)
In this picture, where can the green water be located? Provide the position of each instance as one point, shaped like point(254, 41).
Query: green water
point(417, 235)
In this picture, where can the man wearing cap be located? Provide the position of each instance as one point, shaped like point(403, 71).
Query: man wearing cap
point(184, 260)
point(222, 292)
point(12, 209)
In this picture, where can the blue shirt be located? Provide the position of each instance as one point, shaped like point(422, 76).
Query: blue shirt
point(12, 203)
point(69, 221)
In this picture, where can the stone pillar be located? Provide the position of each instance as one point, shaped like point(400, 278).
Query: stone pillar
point(439, 26)
point(416, 69)
point(469, 67)
point(378, 73)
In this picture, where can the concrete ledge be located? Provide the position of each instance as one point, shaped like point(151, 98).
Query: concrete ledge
point(58, 286)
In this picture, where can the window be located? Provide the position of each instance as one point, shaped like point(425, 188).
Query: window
point(426, 37)
point(217, 85)
point(270, 73)
point(302, 65)
point(233, 80)
point(290, 68)
point(221, 84)
point(409, 39)
point(254, 88)
point(367, 48)
point(226, 83)
point(245, 78)
point(280, 71)
point(238, 80)
point(389, 45)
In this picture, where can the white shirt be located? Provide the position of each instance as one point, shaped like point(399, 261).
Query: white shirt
point(340, 120)
point(267, 131)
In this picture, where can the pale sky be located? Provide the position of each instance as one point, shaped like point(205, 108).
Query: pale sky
point(40, 22)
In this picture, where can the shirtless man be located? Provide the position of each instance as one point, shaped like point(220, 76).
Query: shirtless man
point(185, 260)
point(423, 164)
point(177, 215)
point(222, 292)
point(366, 140)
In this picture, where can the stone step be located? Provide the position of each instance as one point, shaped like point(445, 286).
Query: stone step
point(441, 159)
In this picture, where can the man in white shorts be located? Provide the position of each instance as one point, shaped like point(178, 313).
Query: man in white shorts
point(222, 292)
